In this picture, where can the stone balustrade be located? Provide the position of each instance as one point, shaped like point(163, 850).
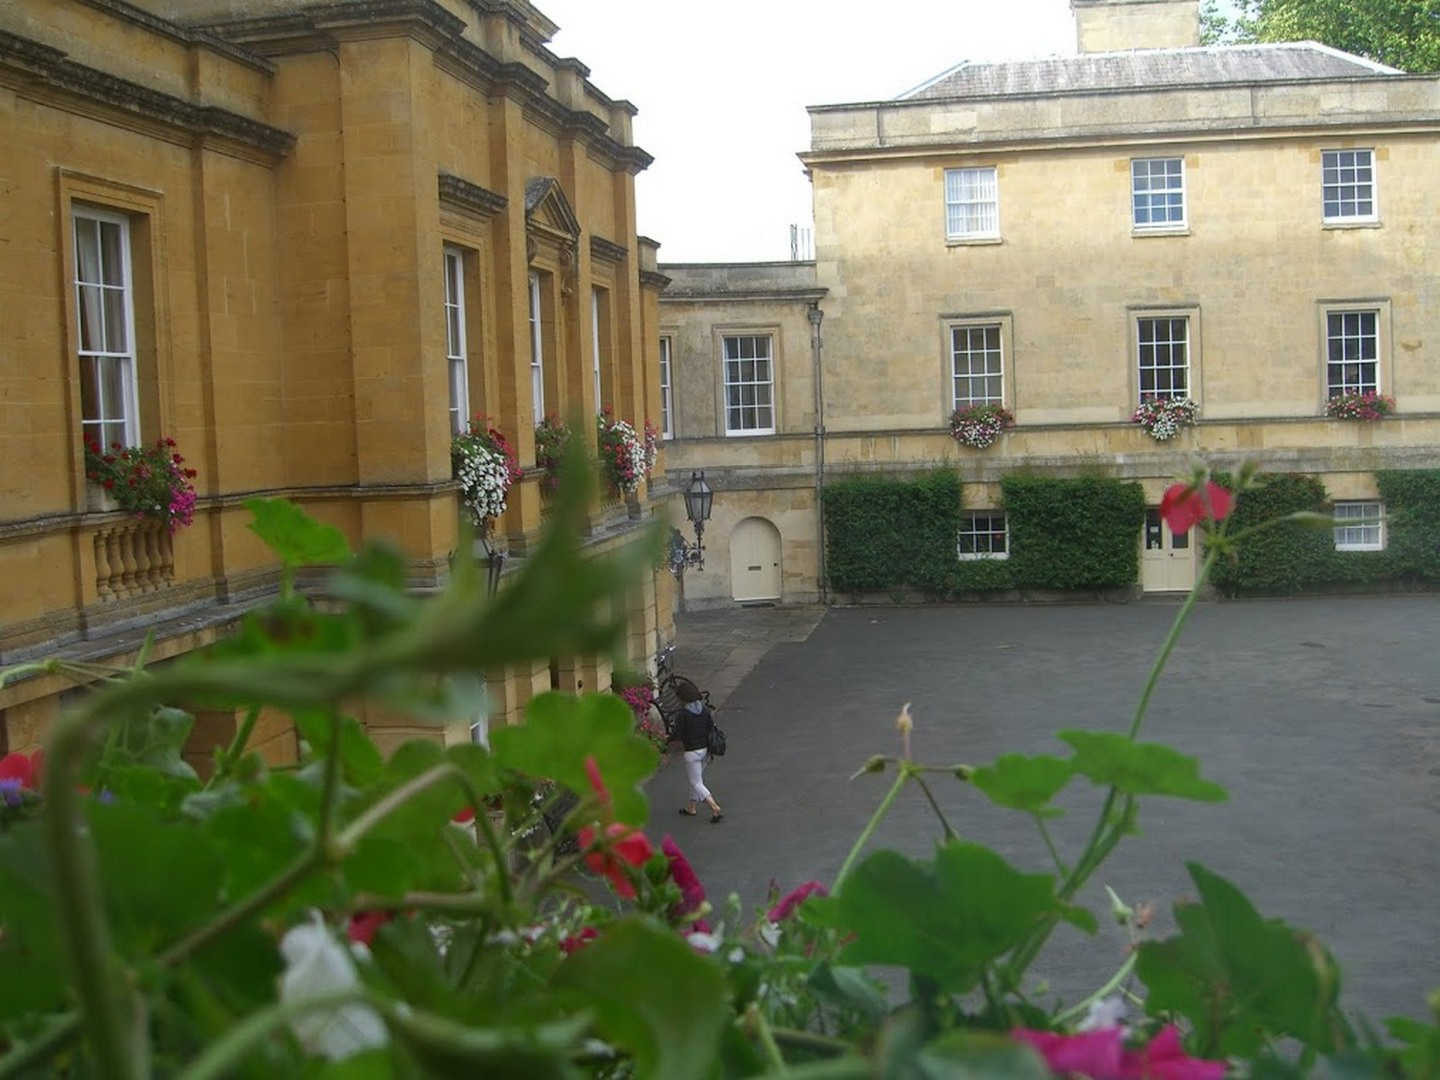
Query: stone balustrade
point(133, 558)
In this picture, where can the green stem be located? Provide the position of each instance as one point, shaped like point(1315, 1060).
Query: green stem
point(59, 1032)
point(1170, 639)
point(107, 1003)
point(810, 1040)
point(223, 1055)
point(1080, 1008)
point(237, 746)
point(767, 1041)
point(1050, 843)
point(330, 789)
point(241, 910)
point(870, 826)
point(471, 903)
point(950, 833)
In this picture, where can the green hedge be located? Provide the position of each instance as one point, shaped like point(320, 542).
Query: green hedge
point(1073, 533)
point(1293, 558)
point(885, 533)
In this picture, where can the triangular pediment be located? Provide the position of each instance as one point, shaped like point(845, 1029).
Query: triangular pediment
point(547, 207)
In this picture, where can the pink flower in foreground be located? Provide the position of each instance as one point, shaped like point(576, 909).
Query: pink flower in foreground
point(1165, 1059)
point(1101, 1055)
point(592, 771)
point(692, 892)
point(1096, 1054)
point(793, 899)
point(364, 924)
point(1183, 506)
point(26, 769)
point(573, 944)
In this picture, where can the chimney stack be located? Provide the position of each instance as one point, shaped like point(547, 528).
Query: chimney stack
point(1116, 25)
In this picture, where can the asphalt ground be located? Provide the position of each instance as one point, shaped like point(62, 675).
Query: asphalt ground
point(1320, 716)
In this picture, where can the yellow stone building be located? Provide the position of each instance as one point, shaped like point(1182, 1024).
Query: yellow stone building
point(306, 240)
point(1252, 228)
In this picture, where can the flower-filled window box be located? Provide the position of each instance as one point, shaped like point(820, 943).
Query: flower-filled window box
point(979, 426)
point(486, 469)
point(625, 457)
point(1162, 418)
point(147, 481)
point(1367, 406)
point(552, 436)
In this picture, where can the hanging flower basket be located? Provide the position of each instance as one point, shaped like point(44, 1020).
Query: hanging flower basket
point(147, 481)
point(486, 468)
point(1368, 406)
point(625, 458)
point(980, 425)
point(1162, 418)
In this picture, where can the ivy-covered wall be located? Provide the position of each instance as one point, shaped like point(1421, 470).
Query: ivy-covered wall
point(887, 533)
point(1293, 558)
point(884, 533)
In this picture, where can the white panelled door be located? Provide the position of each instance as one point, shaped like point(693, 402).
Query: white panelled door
point(1167, 559)
point(755, 560)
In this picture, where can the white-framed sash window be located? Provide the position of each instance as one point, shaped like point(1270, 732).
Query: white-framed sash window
point(455, 355)
point(667, 430)
point(537, 351)
point(105, 311)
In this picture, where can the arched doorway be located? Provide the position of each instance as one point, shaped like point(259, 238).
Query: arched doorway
point(755, 560)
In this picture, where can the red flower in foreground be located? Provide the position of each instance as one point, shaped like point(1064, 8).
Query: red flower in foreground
point(793, 899)
point(1101, 1055)
point(578, 941)
point(25, 769)
point(464, 815)
point(592, 770)
point(1185, 506)
point(683, 874)
point(364, 924)
point(623, 844)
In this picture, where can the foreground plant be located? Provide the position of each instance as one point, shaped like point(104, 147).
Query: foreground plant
point(334, 919)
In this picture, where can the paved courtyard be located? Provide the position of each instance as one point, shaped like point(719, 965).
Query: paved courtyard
point(1320, 716)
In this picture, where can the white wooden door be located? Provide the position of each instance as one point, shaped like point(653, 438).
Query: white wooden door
point(755, 560)
point(1167, 559)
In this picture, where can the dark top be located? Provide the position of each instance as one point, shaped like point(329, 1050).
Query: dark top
point(693, 729)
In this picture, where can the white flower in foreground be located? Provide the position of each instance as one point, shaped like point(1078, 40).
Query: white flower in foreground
point(702, 941)
point(316, 965)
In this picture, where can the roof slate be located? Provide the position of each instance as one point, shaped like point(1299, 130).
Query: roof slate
point(1147, 67)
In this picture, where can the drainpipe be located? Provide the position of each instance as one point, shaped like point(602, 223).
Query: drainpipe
point(816, 315)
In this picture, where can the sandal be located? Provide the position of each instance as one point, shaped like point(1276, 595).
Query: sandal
point(688, 813)
point(716, 818)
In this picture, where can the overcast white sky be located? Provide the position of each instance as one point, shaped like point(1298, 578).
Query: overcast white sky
point(722, 89)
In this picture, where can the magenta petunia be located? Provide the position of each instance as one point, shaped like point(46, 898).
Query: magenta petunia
point(794, 898)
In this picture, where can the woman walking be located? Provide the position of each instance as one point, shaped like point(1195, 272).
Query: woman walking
point(693, 732)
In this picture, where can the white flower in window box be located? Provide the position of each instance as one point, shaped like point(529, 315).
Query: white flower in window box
point(978, 426)
point(1162, 418)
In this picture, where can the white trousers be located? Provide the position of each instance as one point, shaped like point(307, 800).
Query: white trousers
point(695, 773)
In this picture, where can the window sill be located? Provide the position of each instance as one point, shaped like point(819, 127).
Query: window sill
point(1359, 547)
point(972, 241)
point(749, 434)
point(1168, 230)
point(1358, 223)
point(978, 557)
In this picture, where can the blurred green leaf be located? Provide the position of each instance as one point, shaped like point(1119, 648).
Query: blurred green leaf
point(852, 988)
point(975, 1055)
point(1114, 760)
point(294, 535)
point(943, 921)
point(31, 963)
point(1238, 978)
point(653, 995)
point(1024, 782)
point(360, 760)
point(561, 730)
point(158, 878)
point(1420, 1053)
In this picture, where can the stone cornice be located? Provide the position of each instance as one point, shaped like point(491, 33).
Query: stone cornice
point(318, 29)
point(42, 65)
point(711, 296)
point(653, 279)
point(607, 250)
point(184, 35)
point(461, 193)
